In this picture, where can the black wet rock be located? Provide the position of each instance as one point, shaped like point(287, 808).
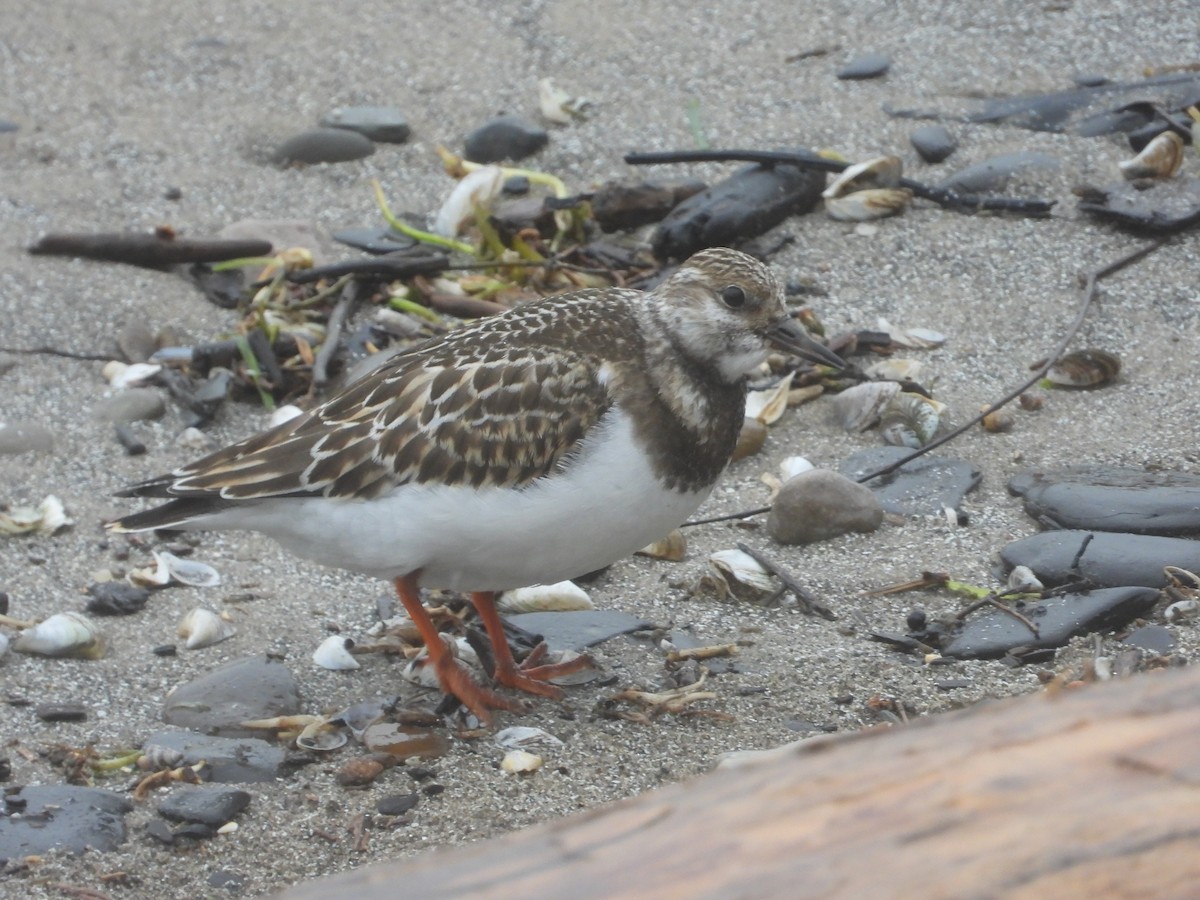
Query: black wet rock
point(1154, 638)
point(869, 65)
point(752, 200)
point(116, 598)
point(165, 650)
point(397, 804)
point(61, 712)
point(128, 439)
point(230, 760)
point(375, 240)
point(160, 831)
point(933, 143)
point(25, 437)
point(578, 629)
point(992, 634)
point(1112, 498)
point(217, 702)
point(1101, 558)
point(618, 205)
point(994, 174)
point(923, 487)
point(204, 805)
point(5, 768)
point(821, 504)
point(133, 404)
point(323, 145)
point(233, 882)
point(38, 819)
point(504, 138)
point(383, 124)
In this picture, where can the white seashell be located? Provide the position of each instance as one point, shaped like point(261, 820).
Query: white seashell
point(673, 547)
point(556, 105)
point(45, 518)
point(525, 737)
point(868, 205)
point(741, 575)
point(895, 369)
point(767, 406)
point(1021, 578)
point(168, 567)
point(910, 420)
point(121, 376)
point(334, 654)
point(1182, 609)
point(284, 413)
point(520, 762)
point(63, 634)
point(1161, 158)
point(476, 189)
point(228, 828)
point(561, 597)
point(203, 628)
point(794, 465)
point(880, 172)
point(859, 408)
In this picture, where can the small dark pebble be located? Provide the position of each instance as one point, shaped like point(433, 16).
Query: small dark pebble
point(506, 137)
point(208, 805)
point(3, 603)
point(61, 712)
point(432, 790)
point(233, 882)
point(869, 65)
point(933, 143)
point(160, 831)
point(396, 805)
point(517, 186)
point(5, 768)
point(420, 773)
point(1154, 638)
point(17, 701)
point(131, 442)
point(173, 193)
point(385, 124)
point(916, 619)
point(165, 650)
point(323, 145)
point(951, 684)
point(1091, 80)
point(116, 598)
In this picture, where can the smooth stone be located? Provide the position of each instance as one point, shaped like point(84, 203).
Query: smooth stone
point(505, 137)
point(993, 174)
point(578, 629)
point(1058, 619)
point(42, 818)
point(1112, 498)
point(869, 65)
point(136, 341)
point(323, 145)
point(204, 804)
point(924, 487)
point(25, 437)
point(1154, 638)
point(396, 805)
point(160, 831)
point(374, 240)
point(933, 143)
point(61, 712)
point(217, 702)
point(231, 760)
point(1091, 80)
point(233, 882)
point(383, 124)
point(133, 404)
point(116, 598)
point(1102, 558)
point(821, 504)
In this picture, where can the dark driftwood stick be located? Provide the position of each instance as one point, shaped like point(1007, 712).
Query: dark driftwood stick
point(1079, 793)
point(147, 250)
point(378, 267)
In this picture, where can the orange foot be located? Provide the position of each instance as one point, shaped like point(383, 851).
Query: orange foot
point(531, 677)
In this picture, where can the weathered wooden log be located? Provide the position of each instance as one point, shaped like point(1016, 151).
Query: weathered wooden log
point(1089, 792)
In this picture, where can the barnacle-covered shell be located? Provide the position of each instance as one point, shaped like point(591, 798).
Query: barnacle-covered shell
point(63, 634)
point(478, 188)
point(203, 628)
point(560, 597)
point(520, 762)
point(334, 654)
point(1089, 368)
point(1161, 158)
point(859, 407)
point(673, 547)
point(767, 406)
point(910, 420)
point(868, 205)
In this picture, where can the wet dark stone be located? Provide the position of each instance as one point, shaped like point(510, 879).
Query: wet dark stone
point(61, 712)
point(933, 143)
point(916, 619)
point(754, 199)
point(991, 634)
point(231, 760)
point(821, 504)
point(1102, 558)
point(869, 65)
point(1161, 208)
point(517, 186)
point(1111, 498)
point(396, 805)
point(234, 882)
point(219, 701)
point(160, 831)
point(116, 598)
point(5, 768)
point(504, 138)
point(923, 487)
point(165, 650)
point(203, 804)
point(384, 124)
point(630, 204)
point(375, 240)
point(993, 174)
point(128, 439)
point(1154, 638)
point(61, 817)
point(576, 630)
point(223, 288)
point(197, 831)
point(323, 145)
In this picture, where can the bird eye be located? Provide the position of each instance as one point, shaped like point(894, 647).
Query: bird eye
point(734, 297)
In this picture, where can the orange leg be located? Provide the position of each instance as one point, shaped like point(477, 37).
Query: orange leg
point(451, 675)
point(527, 677)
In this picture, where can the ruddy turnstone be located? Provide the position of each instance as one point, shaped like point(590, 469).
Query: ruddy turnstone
point(530, 447)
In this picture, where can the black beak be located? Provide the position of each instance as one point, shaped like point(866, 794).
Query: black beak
point(789, 335)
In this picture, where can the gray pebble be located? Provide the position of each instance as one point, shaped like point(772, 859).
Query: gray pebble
point(130, 405)
point(506, 137)
point(219, 701)
point(61, 712)
point(23, 437)
point(933, 143)
point(61, 817)
point(384, 124)
point(323, 145)
point(993, 174)
point(869, 65)
point(237, 760)
point(822, 504)
point(136, 341)
point(204, 804)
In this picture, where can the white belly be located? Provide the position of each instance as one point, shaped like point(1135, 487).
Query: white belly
point(606, 506)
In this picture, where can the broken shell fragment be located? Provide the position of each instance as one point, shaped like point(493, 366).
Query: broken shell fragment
point(525, 737)
point(45, 518)
point(561, 597)
point(866, 206)
point(1161, 158)
point(880, 172)
point(203, 628)
point(520, 762)
point(751, 437)
point(792, 466)
point(476, 189)
point(63, 634)
point(672, 548)
point(858, 408)
point(1083, 369)
point(915, 338)
point(895, 369)
point(321, 736)
point(910, 420)
point(1021, 578)
point(556, 105)
point(284, 413)
point(334, 654)
point(735, 574)
point(767, 406)
point(121, 376)
point(168, 567)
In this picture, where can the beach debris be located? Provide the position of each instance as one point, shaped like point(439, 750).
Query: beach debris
point(334, 654)
point(46, 518)
point(62, 634)
point(557, 106)
point(1084, 369)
